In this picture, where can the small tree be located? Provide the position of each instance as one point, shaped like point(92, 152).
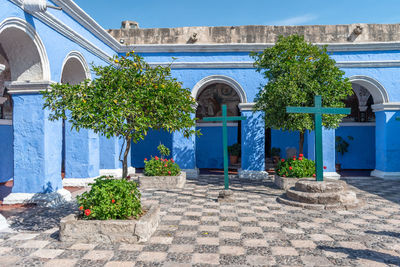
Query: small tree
point(297, 71)
point(125, 100)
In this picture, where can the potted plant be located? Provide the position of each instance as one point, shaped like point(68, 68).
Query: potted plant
point(276, 154)
point(234, 153)
point(290, 171)
point(341, 146)
point(162, 173)
point(111, 212)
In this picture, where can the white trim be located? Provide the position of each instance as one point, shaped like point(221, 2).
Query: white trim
point(246, 106)
point(191, 173)
point(332, 175)
point(386, 175)
point(6, 122)
point(217, 124)
point(392, 106)
point(203, 83)
point(78, 182)
point(50, 199)
point(116, 172)
point(14, 22)
point(252, 175)
point(2, 68)
point(28, 87)
point(376, 89)
point(358, 124)
point(88, 22)
point(78, 56)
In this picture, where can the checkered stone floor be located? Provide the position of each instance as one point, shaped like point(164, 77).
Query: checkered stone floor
point(196, 230)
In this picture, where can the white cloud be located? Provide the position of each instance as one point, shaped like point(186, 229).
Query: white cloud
point(297, 20)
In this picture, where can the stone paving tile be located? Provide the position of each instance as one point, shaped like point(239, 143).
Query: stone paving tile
point(255, 230)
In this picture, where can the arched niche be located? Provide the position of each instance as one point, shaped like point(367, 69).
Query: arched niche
point(75, 69)
point(376, 89)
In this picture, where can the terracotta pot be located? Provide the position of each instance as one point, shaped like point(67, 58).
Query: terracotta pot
point(338, 167)
point(233, 159)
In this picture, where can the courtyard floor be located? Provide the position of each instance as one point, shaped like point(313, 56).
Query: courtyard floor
point(196, 230)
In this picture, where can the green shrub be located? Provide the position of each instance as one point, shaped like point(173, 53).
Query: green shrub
point(164, 151)
point(111, 199)
point(160, 167)
point(296, 167)
point(234, 150)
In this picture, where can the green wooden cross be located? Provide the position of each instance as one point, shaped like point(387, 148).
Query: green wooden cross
point(224, 120)
point(318, 110)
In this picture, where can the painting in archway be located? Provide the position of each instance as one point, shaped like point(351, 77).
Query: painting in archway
point(212, 98)
point(361, 105)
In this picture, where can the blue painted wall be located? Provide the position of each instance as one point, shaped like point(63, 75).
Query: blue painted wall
point(328, 148)
point(361, 150)
point(7, 153)
point(209, 152)
point(110, 150)
point(253, 141)
point(284, 140)
point(148, 147)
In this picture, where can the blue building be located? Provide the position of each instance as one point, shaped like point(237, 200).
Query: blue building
point(41, 45)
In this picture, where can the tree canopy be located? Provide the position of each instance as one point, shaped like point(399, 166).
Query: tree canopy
point(296, 71)
point(125, 100)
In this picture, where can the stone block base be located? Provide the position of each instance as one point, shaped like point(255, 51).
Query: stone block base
point(253, 175)
point(191, 173)
point(162, 182)
point(386, 175)
point(226, 196)
point(116, 172)
point(286, 183)
point(47, 200)
point(110, 231)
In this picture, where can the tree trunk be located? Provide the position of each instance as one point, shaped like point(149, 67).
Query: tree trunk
point(125, 160)
point(301, 142)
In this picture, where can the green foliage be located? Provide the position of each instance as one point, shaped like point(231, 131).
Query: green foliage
point(161, 167)
point(125, 100)
point(110, 199)
point(235, 149)
point(296, 167)
point(297, 71)
point(164, 151)
point(275, 152)
point(341, 145)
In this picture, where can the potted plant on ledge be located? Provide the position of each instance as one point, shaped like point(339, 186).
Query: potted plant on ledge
point(161, 173)
point(234, 153)
point(290, 171)
point(341, 146)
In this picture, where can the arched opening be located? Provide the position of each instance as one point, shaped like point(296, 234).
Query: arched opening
point(21, 60)
point(74, 71)
point(355, 138)
point(210, 97)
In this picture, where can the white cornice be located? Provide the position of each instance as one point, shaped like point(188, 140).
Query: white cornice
point(6, 122)
point(250, 64)
point(358, 124)
point(246, 106)
point(28, 87)
point(392, 106)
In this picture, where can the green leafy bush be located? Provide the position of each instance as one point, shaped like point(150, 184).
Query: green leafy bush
point(161, 167)
point(296, 167)
point(164, 151)
point(110, 199)
point(235, 149)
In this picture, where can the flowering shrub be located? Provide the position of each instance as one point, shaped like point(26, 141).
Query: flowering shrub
point(296, 167)
point(110, 199)
point(160, 167)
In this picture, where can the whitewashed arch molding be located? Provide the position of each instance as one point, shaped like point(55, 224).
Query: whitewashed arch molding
point(203, 83)
point(378, 92)
point(20, 24)
point(79, 57)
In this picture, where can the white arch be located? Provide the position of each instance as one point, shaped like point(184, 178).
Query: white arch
point(76, 55)
point(20, 24)
point(203, 83)
point(378, 92)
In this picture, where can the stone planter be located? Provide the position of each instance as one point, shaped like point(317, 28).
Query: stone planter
point(162, 182)
point(286, 183)
point(110, 231)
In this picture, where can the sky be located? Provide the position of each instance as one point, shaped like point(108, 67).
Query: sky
point(181, 13)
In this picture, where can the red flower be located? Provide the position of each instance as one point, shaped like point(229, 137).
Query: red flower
point(169, 172)
point(165, 165)
point(145, 159)
point(113, 201)
point(128, 177)
point(300, 158)
point(301, 155)
point(172, 160)
point(283, 175)
point(294, 158)
point(87, 212)
point(283, 160)
point(81, 208)
point(290, 168)
point(313, 175)
point(324, 167)
point(156, 158)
